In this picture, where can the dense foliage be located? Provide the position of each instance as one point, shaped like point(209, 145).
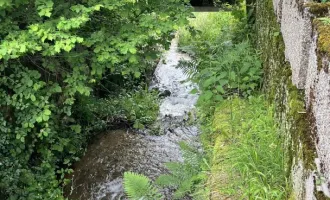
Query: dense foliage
point(56, 57)
point(224, 61)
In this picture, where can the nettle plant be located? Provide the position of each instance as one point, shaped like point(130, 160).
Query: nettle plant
point(233, 69)
point(52, 52)
point(226, 69)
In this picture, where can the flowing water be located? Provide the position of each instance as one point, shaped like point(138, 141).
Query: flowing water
point(98, 175)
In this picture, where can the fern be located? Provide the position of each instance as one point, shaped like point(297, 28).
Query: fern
point(183, 176)
point(188, 67)
point(139, 187)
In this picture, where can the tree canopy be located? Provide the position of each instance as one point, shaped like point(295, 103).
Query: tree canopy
point(53, 52)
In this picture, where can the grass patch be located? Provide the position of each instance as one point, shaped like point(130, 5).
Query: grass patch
point(248, 154)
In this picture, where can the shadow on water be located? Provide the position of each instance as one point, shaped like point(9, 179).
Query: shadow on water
point(98, 175)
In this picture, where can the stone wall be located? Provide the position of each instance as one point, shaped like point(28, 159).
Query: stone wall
point(295, 46)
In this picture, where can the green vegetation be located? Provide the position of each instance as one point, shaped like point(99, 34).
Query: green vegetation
point(136, 108)
point(222, 66)
point(240, 137)
point(248, 150)
point(139, 187)
point(69, 69)
point(184, 177)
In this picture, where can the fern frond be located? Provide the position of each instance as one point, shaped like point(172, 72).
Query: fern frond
point(190, 155)
point(183, 175)
point(188, 67)
point(168, 181)
point(174, 167)
point(138, 187)
point(184, 188)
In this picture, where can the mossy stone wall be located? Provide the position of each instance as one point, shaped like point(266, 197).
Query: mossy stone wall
point(289, 59)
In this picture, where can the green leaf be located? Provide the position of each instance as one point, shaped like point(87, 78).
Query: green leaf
point(207, 95)
point(45, 118)
point(139, 187)
point(232, 75)
point(222, 75)
point(76, 128)
point(22, 48)
point(132, 50)
point(57, 88)
point(219, 98)
point(29, 83)
point(137, 74)
point(220, 89)
point(39, 119)
point(194, 91)
point(45, 133)
point(47, 112)
point(208, 82)
point(33, 98)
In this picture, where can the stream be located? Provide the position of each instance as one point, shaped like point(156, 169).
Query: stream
point(98, 175)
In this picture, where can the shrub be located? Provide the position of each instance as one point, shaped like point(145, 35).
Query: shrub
point(53, 53)
point(137, 108)
point(222, 67)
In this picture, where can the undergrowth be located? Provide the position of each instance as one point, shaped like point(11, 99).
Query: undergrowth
point(131, 108)
point(138, 187)
point(248, 150)
point(223, 63)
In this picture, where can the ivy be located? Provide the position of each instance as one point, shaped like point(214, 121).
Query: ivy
point(53, 53)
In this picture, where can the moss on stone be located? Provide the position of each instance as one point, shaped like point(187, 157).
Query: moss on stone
point(302, 128)
point(323, 41)
point(318, 9)
point(290, 111)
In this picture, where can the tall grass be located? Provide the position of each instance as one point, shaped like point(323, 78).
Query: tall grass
point(253, 152)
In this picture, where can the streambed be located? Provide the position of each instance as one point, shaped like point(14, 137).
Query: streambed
point(98, 175)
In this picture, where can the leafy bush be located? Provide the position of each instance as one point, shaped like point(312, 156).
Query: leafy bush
point(234, 70)
point(138, 108)
point(221, 66)
point(54, 52)
point(206, 28)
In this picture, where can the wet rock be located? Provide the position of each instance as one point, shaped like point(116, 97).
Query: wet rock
point(166, 93)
